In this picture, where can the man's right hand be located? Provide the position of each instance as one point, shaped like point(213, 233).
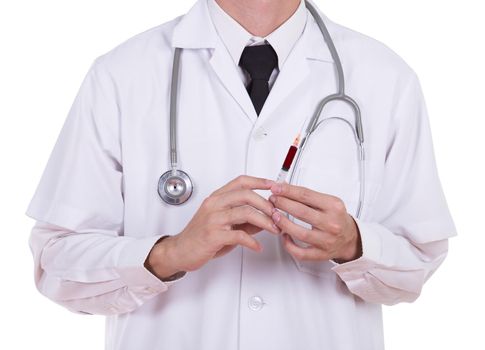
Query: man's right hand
point(230, 216)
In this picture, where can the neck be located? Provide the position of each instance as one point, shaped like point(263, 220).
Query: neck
point(259, 17)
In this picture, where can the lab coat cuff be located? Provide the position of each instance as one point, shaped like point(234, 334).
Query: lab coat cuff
point(371, 253)
point(132, 270)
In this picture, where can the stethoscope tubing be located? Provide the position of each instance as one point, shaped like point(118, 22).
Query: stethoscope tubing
point(312, 125)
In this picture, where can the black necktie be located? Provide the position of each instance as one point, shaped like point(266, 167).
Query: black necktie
point(259, 61)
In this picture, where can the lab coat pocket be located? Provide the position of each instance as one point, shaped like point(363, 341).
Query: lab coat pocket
point(348, 191)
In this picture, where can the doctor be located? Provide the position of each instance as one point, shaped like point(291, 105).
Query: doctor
point(245, 262)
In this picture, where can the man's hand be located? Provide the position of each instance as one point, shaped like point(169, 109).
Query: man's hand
point(334, 233)
point(228, 217)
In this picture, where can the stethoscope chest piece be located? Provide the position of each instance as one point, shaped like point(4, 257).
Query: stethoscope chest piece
point(175, 187)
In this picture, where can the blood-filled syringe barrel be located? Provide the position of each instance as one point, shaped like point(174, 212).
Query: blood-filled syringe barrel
point(290, 156)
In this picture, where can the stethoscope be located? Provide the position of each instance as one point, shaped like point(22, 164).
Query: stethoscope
point(175, 186)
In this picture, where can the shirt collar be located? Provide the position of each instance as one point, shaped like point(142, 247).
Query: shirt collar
point(235, 37)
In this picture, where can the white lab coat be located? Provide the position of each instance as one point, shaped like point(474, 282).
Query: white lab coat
point(99, 212)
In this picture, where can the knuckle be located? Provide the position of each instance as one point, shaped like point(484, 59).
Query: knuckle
point(240, 236)
point(208, 202)
point(241, 179)
point(334, 227)
point(338, 204)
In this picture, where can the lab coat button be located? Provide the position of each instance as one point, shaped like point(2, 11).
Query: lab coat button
point(259, 134)
point(256, 303)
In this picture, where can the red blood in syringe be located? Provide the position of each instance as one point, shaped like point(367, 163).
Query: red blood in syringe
point(291, 154)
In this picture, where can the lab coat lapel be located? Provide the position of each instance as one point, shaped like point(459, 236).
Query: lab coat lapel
point(226, 70)
point(294, 71)
point(196, 31)
point(310, 46)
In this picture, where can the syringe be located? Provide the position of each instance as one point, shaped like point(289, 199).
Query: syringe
point(288, 160)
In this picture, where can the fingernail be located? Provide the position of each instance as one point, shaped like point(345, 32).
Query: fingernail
point(276, 228)
point(276, 188)
point(272, 199)
point(276, 216)
point(268, 182)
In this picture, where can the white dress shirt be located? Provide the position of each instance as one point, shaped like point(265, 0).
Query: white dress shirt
point(235, 37)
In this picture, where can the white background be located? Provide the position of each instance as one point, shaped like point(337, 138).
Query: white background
point(46, 48)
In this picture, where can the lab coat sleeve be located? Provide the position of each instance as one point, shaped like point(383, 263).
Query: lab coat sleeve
point(405, 236)
point(82, 258)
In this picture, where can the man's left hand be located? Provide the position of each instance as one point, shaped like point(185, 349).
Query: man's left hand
point(334, 233)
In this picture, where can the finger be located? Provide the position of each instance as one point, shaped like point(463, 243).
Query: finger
point(249, 228)
point(240, 237)
point(245, 182)
point(310, 253)
point(297, 231)
point(247, 214)
point(307, 196)
point(299, 210)
point(237, 198)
